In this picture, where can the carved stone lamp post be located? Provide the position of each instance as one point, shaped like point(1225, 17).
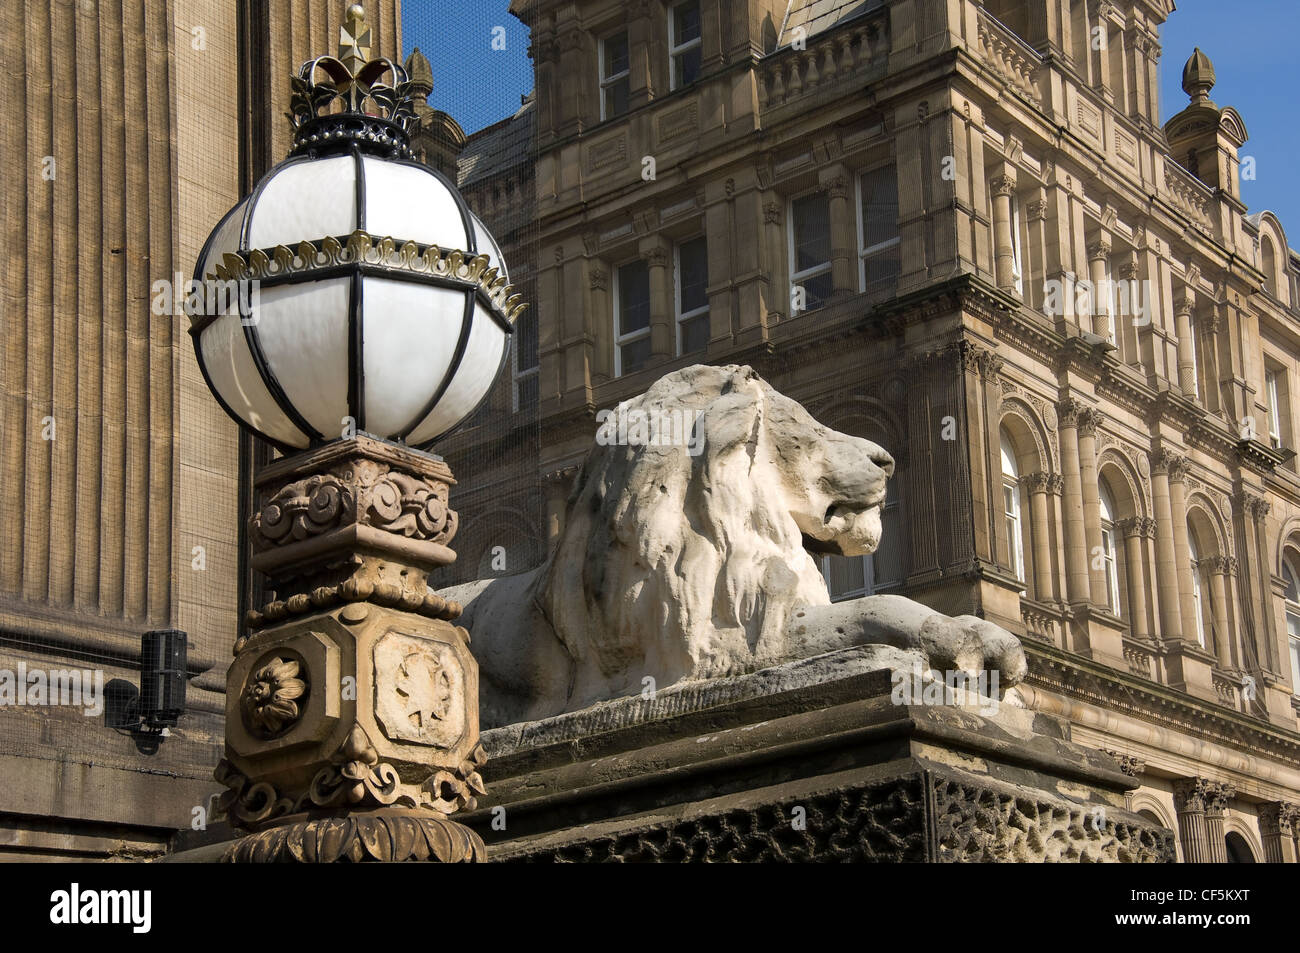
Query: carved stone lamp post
point(375, 314)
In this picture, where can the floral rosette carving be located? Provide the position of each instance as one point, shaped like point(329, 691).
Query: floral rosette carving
point(270, 698)
point(412, 507)
point(304, 509)
point(449, 792)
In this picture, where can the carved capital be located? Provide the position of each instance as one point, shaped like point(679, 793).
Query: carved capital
point(838, 187)
point(1036, 210)
point(1002, 185)
point(1278, 818)
point(771, 213)
point(1253, 505)
point(1217, 565)
point(599, 279)
point(1039, 482)
point(1089, 419)
point(990, 364)
point(657, 257)
point(1099, 250)
point(1132, 526)
point(1201, 795)
point(1069, 411)
point(1171, 464)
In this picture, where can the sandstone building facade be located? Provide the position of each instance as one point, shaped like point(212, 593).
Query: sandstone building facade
point(960, 230)
point(887, 208)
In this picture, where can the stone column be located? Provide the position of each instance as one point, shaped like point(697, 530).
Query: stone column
point(1003, 186)
point(1200, 804)
point(1183, 305)
point(657, 253)
point(1039, 484)
point(1135, 573)
point(352, 707)
point(1277, 828)
point(1219, 594)
point(1216, 803)
point(1099, 274)
point(1166, 564)
point(844, 231)
point(599, 323)
point(1182, 550)
point(1076, 546)
point(1088, 421)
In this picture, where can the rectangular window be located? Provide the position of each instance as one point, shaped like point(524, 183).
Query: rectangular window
point(1274, 409)
point(1293, 634)
point(810, 251)
point(631, 318)
point(692, 296)
point(525, 360)
point(849, 577)
point(684, 43)
point(878, 239)
point(615, 75)
point(1015, 541)
point(1112, 570)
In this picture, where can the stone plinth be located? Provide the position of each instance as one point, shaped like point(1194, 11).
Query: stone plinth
point(352, 705)
point(812, 761)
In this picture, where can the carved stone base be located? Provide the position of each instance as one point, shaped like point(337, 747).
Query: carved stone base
point(386, 835)
point(352, 706)
point(806, 762)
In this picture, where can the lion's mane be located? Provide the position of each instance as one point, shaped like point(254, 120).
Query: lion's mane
point(681, 565)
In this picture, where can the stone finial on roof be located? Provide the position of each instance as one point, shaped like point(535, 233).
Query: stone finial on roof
point(1198, 77)
point(417, 65)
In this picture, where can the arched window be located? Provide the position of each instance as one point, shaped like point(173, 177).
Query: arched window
point(1239, 851)
point(1198, 604)
point(1011, 508)
point(1292, 597)
point(1269, 265)
point(1108, 548)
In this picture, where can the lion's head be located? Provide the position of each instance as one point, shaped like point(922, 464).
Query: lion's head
point(685, 548)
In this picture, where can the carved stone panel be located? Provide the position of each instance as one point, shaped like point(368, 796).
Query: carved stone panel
point(419, 691)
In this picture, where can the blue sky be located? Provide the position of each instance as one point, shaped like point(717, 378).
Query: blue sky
point(472, 81)
point(1251, 42)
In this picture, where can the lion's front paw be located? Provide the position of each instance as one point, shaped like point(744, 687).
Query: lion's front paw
point(989, 647)
point(969, 644)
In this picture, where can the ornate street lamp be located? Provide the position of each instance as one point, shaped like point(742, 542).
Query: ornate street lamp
point(382, 304)
point(374, 316)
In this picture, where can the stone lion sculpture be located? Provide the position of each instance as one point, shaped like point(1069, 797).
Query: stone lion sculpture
point(690, 559)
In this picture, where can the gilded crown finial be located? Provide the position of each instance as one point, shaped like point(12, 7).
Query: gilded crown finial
point(350, 101)
point(354, 39)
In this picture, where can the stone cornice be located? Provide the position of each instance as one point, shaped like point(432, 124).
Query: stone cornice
point(1084, 680)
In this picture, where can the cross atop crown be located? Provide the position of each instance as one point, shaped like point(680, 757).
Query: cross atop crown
point(354, 39)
